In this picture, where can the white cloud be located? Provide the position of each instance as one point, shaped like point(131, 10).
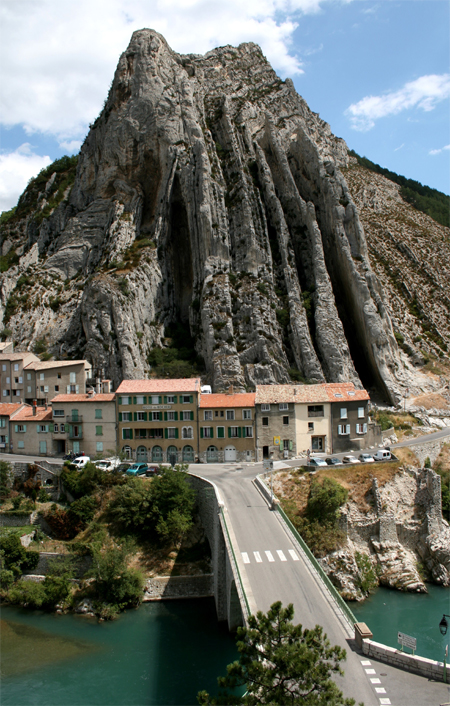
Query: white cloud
point(447, 147)
point(71, 146)
point(58, 58)
point(425, 92)
point(399, 148)
point(16, 168)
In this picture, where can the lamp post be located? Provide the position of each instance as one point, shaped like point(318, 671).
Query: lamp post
point(443, 627)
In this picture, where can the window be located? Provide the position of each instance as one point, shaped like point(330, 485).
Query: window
point(99, 414)
point(125, 400)
point(58, 413)
point(5, 393)
point(155, 433)
point(310, 426)
point(343, 429)
point(230, 414)
point(207, 432)
point(16, 393)
point(141, 416)
point(207, 415)
point(170, 399)
point(8, 380)
point(16, 381)
point(248, 432)
point(16, 366)
point(72, 378)
point(187, 433)
point(315, 410)
point(59, 376)
point(286, 444)
point(42, 388)
point(126, 416)
point(156, 416)
point(171, 433)
point(127, 433)
point(265, 421)
point(56, 428)
point(29, 388)
point(41, 376)
point(233, 432)
point(42, 427)
point(155, 399)
point(360, 412)
point(98, 431)
point(186, 399)
point(283, 406)
point(317, 443)
point(141, 433)
point(246, 414)
point(140, 399)
point(265, 408)
point(222, 413)
point(343, 412)
point(285, 420)
point(21, 444)
point(220, 432)
point(56, 388)
point(171, 416)
point(21, 427)
point(361, 428)
point(99, 446)
point(187, 416)
point(3, 422)
point(4, 368)
point(28, 376)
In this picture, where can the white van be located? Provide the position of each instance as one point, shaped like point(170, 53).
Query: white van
point(81, 461)
point(382, 455)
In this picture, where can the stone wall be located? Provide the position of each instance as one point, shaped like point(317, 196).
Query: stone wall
point(14, 520)
point(167, 587)
point(411, 663)
point(45, 558)
point(428, 449)
point(388, 529)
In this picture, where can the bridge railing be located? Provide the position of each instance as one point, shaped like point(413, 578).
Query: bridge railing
point(337, 597)
point(222, 514)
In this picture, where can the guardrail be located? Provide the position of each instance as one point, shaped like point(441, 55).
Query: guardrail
point(249, 612)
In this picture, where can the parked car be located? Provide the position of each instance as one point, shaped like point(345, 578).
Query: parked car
point(108, 464)
point(123, 467)
point(382, 455)
point(152, 471)
point(317, 462)
point(366, 458)
point(333, 461)
point(350, 459)
point(137, 469)
point(80, 461)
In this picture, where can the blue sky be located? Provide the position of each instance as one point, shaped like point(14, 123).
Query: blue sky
point(376, 71)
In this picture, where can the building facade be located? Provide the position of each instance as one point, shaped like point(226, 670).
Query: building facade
point(12, 375)
point(227, 428)
point(158, 419)
point(31, 431)
point(84, 422)
point(45, 379)
point(7, 411)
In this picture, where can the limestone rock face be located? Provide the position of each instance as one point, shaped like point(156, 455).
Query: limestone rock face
point(206, 193)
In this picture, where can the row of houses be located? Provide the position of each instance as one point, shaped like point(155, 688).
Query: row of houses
point(175, 421)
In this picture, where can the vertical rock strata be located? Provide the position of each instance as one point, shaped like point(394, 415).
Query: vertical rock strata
point(228, 192)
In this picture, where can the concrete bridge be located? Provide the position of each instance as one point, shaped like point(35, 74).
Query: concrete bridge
point(257, 560)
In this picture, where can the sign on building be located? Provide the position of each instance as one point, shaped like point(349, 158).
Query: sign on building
point(277, 440)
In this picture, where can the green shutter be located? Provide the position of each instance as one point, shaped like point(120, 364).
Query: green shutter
point(243, 432)
point(120, 416)
point(52, 428)
point(220, 432)
point(191, 398)
point(175, 399)
point(131, 433)
point(145, 416)
point(24, 427)
point(291, 445)
point(192, 416)
point(134, 400)
point(165, 399)
point(229, 432)
point(46, 427)
point(120, 400)
point(201, 432)
point(135, 416)
point(212, 432)
point(239, 432)
point(166, 433)
point(176, 432)
point(160, 399)
point(16, 427)
point(176, 416)
point(165, 416)
point(145, 399)
point(70, 429)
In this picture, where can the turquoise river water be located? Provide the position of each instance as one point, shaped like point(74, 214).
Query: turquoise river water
point(162, 653)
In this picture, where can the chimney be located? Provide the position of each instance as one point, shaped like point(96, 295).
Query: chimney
point(34, 407)
point(98, 385)
point(230, 390)
point(46, 405)
point(106, 384)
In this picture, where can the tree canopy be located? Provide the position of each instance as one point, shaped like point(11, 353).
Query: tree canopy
point(281, 663)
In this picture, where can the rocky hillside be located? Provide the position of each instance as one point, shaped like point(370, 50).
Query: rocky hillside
point(209, 200)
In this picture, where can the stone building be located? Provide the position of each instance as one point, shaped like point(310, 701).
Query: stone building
point(31, 432)
point(350, 429)
point(12, 376)
point(7, 411)
point(227, 427)
point(84, 422)
point(158, 419)
point(45, 379)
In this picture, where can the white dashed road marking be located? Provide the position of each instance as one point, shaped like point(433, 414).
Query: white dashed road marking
point(270, 556)
point(281, 555)
point(293, 555)
point(380, 690)
point(370, 671)
point(366, 662)
point(376, 681)
point(385, 702)
point(245, 558)
point(257, 557)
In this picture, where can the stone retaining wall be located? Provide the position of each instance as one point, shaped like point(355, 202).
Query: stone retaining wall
point(411, 663)
point(170, 587)
point(14, 520)
point(42, 569)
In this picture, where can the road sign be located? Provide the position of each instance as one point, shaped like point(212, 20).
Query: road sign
point(406, 640)
point(268, 466)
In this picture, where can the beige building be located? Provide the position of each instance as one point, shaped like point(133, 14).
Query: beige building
point(7, 411)
point(84, 422)
point(227, 427)
point(45, 379)
point(31, 431)
point(157, 419)
point(12, 375)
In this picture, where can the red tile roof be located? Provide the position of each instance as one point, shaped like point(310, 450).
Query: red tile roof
point(246, 399)
point(26, 415)
point(326, 392)
point(149, 386)
point(8, 408)
point(100, 397)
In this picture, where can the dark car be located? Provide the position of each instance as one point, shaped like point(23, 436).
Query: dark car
point(333, 461)
point(316, 462)
point(152, 471)
point(123, 467)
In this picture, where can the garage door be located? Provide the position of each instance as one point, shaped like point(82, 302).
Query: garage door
point(230, 453)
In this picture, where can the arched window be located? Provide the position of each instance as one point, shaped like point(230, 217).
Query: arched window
point(187, 433)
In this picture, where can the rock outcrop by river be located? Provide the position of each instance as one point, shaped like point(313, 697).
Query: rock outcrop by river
point(208, 193)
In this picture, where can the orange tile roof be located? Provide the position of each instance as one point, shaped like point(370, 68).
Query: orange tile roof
point(49, 364)
point(9, 408)
point(325, 392)
point(26, 414)
point(149, 386)
point(99, 397)
point(245, 399)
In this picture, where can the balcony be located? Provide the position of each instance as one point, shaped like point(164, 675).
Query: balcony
point(75, 437)
point(78, 419)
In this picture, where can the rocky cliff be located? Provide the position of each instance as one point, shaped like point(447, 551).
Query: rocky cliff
point(208, 194)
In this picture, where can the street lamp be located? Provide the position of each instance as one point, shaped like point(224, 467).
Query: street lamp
point(443, 627)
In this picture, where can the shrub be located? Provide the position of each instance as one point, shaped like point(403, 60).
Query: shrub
point(6, 578)
point(84, 509)
point(5, 479)
point(114, 582)
point(366, 579)
point(43, 496)
point(14, 556)
point(325, 499)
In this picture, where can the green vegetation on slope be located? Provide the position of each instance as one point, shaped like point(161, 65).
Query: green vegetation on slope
point(430, 201)
point(179, 359)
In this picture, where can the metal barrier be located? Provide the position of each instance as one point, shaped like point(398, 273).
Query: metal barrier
point(235, 562)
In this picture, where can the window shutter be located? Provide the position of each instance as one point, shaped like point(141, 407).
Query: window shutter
point(131, 433)
point(135, 416)
point(191, 398)
point(134, 400)
point(159, 399)
point(6, 439)
point(229, 432)
point(120, 416)
point(212, 432)
point(176, 432)
point(123, 434)
point(239, 432)
point(166, 433)
point(243, 432)
point(52, 428)
point(347, 428)
point(165, 399)
point(24, 427)
point(165, 416)
point(120, 400)
point(16, 427)
point(145, 416)
point(365, 428)
point(175, 399)
point(176, 416)
point(145, 399)
point(46, 427)
point(220, 432)
point(339, 428)
point(192, 416)
point(68, 389)
point(291, 445)
point(77, 388)
point(46, 388)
